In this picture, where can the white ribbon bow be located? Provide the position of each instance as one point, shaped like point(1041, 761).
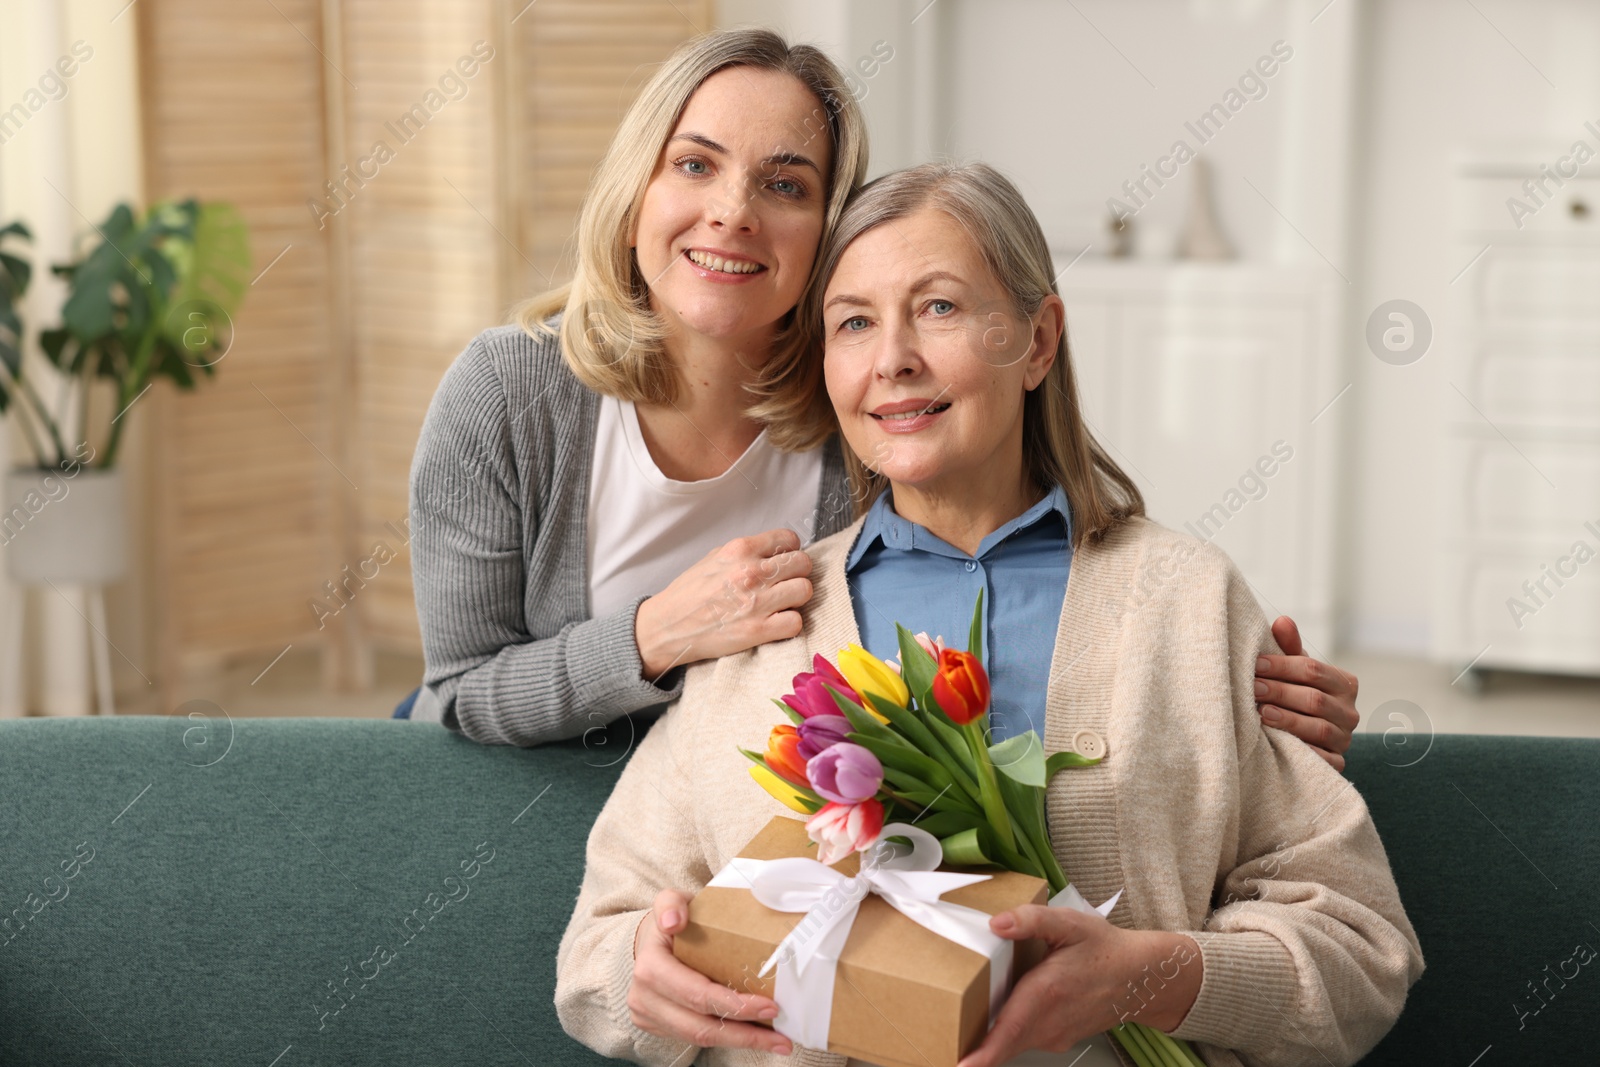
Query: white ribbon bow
point(808, 958)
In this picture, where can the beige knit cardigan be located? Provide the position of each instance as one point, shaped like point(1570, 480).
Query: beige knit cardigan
point(1211, 823)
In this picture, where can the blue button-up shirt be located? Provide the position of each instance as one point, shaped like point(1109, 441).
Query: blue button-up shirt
point(900, 572)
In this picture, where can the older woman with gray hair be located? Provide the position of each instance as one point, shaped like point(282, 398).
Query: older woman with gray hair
point(946, 362)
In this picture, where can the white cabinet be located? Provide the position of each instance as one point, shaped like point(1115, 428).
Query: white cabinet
point(1200, 377)
point(1519, 538)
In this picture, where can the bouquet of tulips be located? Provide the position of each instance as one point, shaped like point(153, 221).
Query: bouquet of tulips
point(871, 742)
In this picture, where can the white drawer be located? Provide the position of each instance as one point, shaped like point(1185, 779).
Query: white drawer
point(1537, 377)
point(1552, 284)
point(1573, 208)
point(1492, 493)
point(1485, 603)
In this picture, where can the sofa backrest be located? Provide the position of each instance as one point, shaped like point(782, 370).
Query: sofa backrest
point(286, 892)
point(241, 877)
point(1495, 844)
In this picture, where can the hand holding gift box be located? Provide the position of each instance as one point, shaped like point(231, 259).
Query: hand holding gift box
point(871, 743)
point(879, 956)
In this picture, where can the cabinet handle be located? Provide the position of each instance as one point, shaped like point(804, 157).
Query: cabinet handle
point(1579, 209)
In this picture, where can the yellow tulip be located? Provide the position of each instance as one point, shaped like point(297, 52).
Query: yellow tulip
point(867, 673)
point(781, 790)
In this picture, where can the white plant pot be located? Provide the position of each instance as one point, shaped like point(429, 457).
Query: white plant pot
point(61, 527)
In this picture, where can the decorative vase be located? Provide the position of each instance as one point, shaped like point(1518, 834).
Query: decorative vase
point(61, 527)
point(1202, 233)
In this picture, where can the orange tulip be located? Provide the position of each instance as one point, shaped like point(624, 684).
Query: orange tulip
point(961, 686)
point(783, 755)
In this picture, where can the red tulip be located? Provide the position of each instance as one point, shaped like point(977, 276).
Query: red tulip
point(961, 686)
point(783, 755)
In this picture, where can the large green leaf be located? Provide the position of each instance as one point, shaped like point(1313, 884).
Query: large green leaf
point(90, 310)
point(10, 355)
point(15, 273)
point(213, 276)
point(54, 343)
point(1020, 758)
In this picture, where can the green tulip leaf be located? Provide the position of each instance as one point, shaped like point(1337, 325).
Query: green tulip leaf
point(861, 721)
point(975, 635)
point(1020, 758)
point(1060, 761)
point(917, 668)
point(794, 716)
point(906, 759)
point(966, 849)
point(945, 823)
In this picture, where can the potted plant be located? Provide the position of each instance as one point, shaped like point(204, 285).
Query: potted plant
point(153, 298)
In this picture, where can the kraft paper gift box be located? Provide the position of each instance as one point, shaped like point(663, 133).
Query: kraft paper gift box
point(903, 996)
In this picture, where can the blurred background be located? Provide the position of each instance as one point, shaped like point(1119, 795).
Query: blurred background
point(1332, 271)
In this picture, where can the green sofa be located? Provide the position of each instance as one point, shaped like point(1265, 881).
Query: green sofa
point(287, 892)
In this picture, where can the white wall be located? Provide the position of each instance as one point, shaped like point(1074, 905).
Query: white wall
point(1070, 100)
point(1440, 77)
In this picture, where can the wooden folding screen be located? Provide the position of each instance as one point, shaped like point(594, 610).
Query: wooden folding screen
point(409, 169)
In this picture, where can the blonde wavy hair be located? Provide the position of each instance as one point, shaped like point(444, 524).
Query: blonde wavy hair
point(610, 337)
point(1057, 446)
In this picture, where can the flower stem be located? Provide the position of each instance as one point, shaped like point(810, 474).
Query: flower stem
point(1128, 1037)
point(993, 805)
point(1164, 1046)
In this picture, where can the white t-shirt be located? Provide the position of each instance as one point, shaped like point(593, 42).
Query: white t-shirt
point(645, 529)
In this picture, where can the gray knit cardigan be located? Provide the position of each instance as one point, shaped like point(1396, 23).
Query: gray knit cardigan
point(499, 562)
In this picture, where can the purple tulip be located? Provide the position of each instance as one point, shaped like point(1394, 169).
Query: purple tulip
point(845, 773)
point(820, 732)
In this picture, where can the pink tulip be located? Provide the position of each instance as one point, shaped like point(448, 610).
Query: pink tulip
point(840, 829)
point(845, 773)
point(811, 696)
point(830, 674)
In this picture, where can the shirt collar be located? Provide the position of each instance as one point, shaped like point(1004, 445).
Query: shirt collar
point(883, 525)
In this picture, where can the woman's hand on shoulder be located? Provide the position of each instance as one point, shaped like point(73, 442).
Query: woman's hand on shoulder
point(670, 999)
point(1082, 986)
point(1313, 700)
point(744, 594)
